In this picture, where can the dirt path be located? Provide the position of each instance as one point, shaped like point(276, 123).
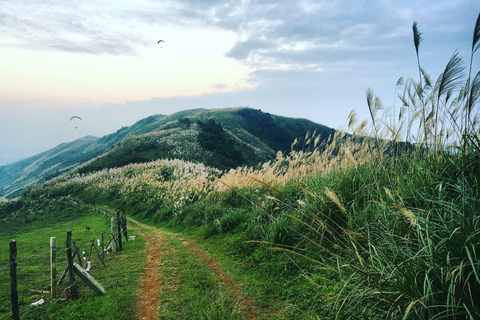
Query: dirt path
point(148, 303)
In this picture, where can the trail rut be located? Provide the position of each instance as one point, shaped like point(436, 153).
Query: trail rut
point(147, 301)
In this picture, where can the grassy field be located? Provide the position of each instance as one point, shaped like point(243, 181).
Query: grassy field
point(192, 286)
point(383, 222)
point(119, 277)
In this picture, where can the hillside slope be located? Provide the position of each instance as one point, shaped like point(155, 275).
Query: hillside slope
point(220, 138)
point(15, 177)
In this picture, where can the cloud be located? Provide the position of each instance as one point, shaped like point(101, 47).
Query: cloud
point(273, 31)
point(220, 86)
point(294, 34)
point(85, 27)
point(242, 50)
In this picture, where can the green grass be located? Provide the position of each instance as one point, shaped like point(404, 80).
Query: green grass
point(386, 227)
point(119, 278)
point(188, 288)
point(280, 284)
point(389, 238)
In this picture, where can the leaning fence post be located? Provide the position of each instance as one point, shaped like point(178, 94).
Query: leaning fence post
point(77, 253)
point(113, 231)
point(103, 249)
point(13, 280)
point(53, 267)
point(73, 285)
point(119, 224)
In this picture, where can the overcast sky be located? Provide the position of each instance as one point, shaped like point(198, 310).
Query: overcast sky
point(100, 60)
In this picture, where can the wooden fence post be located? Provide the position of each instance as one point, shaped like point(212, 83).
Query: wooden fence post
point(53, 267)
point(113, 231)
point(119, 224)
point(124, 225)
point(73, 285)
point(103, 249)
point(13, 280)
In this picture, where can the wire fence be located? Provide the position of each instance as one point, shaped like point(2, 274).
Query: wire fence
point(43, 275)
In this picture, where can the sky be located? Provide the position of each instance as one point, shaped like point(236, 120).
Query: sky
point(101, 60)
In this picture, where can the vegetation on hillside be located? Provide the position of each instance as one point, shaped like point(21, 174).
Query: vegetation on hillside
point(221, 138)
point(377, 234)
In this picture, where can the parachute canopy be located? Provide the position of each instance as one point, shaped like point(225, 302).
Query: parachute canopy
point(75, 117)
point(160, 41)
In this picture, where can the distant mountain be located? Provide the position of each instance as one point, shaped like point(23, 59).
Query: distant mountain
point(46, 165)
point(221, 138)
point(14, 177)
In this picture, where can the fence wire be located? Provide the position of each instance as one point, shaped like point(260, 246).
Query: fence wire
point(39, 264)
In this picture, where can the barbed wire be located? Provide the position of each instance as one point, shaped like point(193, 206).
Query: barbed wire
point(6, 266)
point(62, 249)
point(17, 260)
point(32, 256)
point(79, 249)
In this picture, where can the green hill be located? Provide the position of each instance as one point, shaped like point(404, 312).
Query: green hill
point(220, 138)
point(16, 176)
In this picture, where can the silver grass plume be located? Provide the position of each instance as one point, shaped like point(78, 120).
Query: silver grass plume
point(448, 81)
point(476, 36)
point(374, 104)
point(417, 38)
point(475, 46)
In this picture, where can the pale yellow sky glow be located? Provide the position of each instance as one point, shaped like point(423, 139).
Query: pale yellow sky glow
point(189, 62)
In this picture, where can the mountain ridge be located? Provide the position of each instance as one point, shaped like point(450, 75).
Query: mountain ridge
point(220, 138)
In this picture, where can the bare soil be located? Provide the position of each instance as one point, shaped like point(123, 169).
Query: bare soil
point(147, 302)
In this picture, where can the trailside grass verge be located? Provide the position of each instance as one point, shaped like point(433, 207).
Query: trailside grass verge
point(283, 286)
point(189, 290)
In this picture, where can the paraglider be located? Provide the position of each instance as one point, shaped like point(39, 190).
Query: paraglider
point(75, 117)
point(160, 41)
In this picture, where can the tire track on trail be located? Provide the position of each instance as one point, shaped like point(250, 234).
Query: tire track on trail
point(147, 302)
point(247, 305)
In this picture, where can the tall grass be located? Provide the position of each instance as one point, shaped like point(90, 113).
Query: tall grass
point(436, 114)
point(397, 213)
point(404, 231)
point(389, 217)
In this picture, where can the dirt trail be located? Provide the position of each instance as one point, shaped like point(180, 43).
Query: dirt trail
point(147, 304)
